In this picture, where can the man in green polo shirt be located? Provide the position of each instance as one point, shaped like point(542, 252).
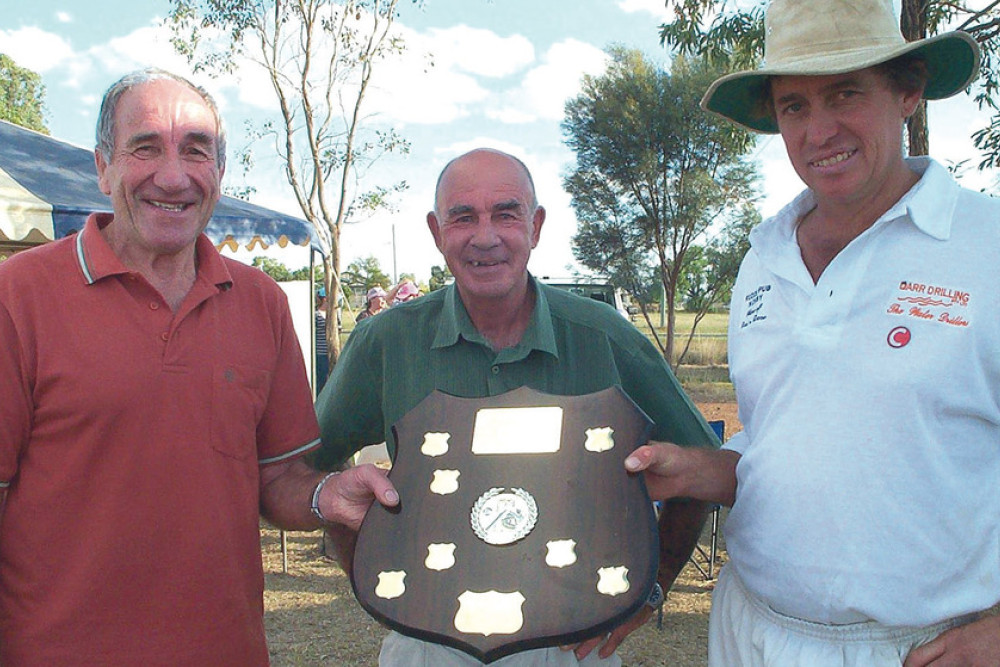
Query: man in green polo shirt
point(496, 329)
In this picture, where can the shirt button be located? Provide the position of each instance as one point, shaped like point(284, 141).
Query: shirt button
point(496, 370)
point(165, 336)
point(153, 305)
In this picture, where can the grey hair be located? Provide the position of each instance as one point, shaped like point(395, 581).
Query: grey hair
point(109, 105)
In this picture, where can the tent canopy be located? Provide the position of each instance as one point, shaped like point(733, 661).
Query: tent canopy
point(49, 187)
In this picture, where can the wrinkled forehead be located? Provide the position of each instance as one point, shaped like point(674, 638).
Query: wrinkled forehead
point(785, 84)
point(165, 106)
point(485, 177)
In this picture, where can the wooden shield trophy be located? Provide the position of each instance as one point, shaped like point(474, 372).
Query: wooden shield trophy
point(518, 526)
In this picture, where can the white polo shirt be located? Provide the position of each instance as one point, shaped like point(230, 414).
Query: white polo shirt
point(869, 486)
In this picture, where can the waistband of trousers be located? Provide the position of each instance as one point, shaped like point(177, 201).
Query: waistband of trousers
point(867, 631)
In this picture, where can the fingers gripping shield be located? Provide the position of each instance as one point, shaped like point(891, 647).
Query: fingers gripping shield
point(517, 527)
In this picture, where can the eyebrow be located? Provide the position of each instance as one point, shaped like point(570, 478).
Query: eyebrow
point(200, 138)
point(509, 205)
point(460, 209)
point(499, 207)
point(851, 82)
point(141, 138)
point(196, 137)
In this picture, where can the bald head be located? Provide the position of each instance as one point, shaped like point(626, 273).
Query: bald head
point(477, 157)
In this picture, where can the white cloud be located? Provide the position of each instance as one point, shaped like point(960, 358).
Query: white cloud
point(477, 51)
point(35, 48)
point(435, 94)
point(64, 17)
point(144, 47)
point(545, 89)
point(444, 73)
point(657, 8)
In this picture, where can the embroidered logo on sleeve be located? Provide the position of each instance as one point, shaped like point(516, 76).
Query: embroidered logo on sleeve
point(755, 306)
point(931, 303)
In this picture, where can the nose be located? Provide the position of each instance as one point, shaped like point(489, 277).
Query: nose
point(171, 173)
point(822, 126)
point(485, 235)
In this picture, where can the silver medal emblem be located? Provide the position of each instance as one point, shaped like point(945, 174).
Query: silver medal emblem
point(504, 516)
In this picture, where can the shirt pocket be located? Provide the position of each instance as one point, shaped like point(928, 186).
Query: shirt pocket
point(239, 396)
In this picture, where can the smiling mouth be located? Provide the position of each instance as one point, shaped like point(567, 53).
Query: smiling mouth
point(479, 264)
point(168, 207)
point(836, 159)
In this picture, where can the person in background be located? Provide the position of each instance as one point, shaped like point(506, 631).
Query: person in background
point(147, 422)
point(322, 365)
point(375, 303)
point(493, 330)
point(863, 347)
point(405, 291)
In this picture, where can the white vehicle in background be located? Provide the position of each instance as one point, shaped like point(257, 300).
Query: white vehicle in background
point(593, 288)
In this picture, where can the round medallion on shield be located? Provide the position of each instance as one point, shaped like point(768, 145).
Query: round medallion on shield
point(503, 516)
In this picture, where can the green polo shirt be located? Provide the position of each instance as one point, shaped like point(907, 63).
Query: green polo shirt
point(572, 346)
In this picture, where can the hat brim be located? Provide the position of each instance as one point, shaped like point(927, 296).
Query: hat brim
point(952, 63)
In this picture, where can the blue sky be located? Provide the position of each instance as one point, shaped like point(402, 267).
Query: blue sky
point(502, 71)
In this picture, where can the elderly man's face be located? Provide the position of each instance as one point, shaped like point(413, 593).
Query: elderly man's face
point(486, 225)
point(843, 132)
point(163, 177)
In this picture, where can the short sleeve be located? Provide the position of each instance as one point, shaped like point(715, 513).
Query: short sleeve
point(288, 427)
point(350, 406)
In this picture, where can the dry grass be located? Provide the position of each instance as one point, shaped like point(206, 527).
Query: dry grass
point(313, 619)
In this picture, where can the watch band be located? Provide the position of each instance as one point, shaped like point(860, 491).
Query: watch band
point(655, 596)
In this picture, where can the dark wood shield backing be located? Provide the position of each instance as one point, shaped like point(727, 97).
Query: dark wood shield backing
point(518, 526)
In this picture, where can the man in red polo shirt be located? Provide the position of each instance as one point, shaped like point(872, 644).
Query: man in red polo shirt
point(148, 420)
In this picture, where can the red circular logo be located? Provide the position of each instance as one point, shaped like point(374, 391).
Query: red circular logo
point(899, 337)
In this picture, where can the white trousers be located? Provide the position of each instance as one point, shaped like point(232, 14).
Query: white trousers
point(402, 651)
point(744, 632)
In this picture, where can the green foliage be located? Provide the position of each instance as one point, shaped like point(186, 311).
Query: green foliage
point(653, 173)
point(273, 268)
point(282, 273)
point(22, 96)
point(363, 274)
point(440, 277)
point(730, 38)
point(710, 271)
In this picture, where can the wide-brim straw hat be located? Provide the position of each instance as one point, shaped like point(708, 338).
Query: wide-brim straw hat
point(820, 37)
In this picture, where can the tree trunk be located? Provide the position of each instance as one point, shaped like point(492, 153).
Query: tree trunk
point(334, 290)
point(913, 25)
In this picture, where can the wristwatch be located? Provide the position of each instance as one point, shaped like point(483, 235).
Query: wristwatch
point(655, 596)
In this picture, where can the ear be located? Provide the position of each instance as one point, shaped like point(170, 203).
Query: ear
point(537, 221)
point(218, 195)
point(432, 224)
point(910, 101)
point(102, 169)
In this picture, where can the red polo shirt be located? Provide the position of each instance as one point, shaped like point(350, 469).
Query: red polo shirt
point(130, 443)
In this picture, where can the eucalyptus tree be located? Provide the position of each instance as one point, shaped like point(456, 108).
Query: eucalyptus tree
point(320, 57)
point(22, 96)
point(653, 173)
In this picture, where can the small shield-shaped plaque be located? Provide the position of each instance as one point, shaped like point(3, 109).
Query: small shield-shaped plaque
point(524, 532)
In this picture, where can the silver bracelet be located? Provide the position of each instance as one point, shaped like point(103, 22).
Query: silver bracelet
point(315, 499)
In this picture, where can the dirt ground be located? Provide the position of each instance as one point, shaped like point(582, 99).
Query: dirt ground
point(313, 619)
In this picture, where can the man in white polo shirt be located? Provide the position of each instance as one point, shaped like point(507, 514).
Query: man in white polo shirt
point(864, 346)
